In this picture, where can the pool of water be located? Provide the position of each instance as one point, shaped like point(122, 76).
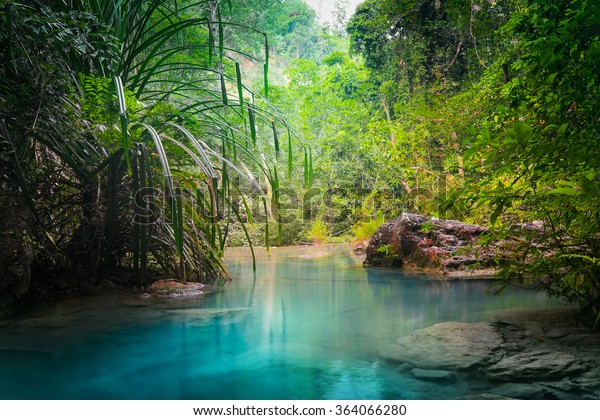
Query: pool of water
point(307, 325)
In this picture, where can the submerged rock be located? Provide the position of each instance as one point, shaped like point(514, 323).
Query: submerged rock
point(552, 358)
point(314, 255)
point(520, 390)
point(585, 383)
point(433, 374)
point(536, 364)
point(170, 288)
point(449, 345)
point(105, 287)
point(445, 246)
point(484, 396)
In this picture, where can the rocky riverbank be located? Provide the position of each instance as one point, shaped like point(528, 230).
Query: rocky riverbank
point(528, 354)
point(446, 247)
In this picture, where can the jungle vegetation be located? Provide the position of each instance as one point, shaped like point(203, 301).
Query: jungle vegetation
point(485, 111)
point(127, 129)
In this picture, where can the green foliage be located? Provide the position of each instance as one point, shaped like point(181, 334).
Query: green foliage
point(486, 112)
point(492, 117)
point(424, 49)
point(98, 102)
point(128, 106)
point(326, 102)
point(427, 227)
point(290, 25)
point(336, 57)
point(365, 230)
point(387, 250)
point(318, 231)
point(537, 151)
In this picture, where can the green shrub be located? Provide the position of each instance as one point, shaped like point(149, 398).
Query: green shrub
point(318, 232)
point(365, 230)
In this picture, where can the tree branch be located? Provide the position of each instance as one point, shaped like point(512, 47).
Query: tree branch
point(473, 36)
point(458, 47)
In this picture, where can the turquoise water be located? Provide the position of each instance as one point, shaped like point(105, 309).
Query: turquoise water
point(304, 328)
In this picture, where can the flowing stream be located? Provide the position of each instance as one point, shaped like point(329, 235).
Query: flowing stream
point(306, 326)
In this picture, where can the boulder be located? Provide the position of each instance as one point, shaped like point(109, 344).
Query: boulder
point(445, 246)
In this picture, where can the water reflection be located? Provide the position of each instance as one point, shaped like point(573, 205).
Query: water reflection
point(306, 325)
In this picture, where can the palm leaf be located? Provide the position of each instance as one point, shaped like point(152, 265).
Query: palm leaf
point(252, 120)
point(266, 68)
point(275, 139)
point(290, 160)
point(224, 92)
point(122, 117)
point(151, 52)
point(164, 161)
point(238, 73)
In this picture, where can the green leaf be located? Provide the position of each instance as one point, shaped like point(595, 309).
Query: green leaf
point(266, 67)
point(221, 43)
point(310, 167)
point(238, 74)
point(206, 165)
point(123, 118)
point(211, 44)
point(275, 139)
point(306, 175)
point(563, 191)
point(223, 91)
point(266, 80)
point(290, 154)
point(497, 212)
point(164, 161)
point(252, 119)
